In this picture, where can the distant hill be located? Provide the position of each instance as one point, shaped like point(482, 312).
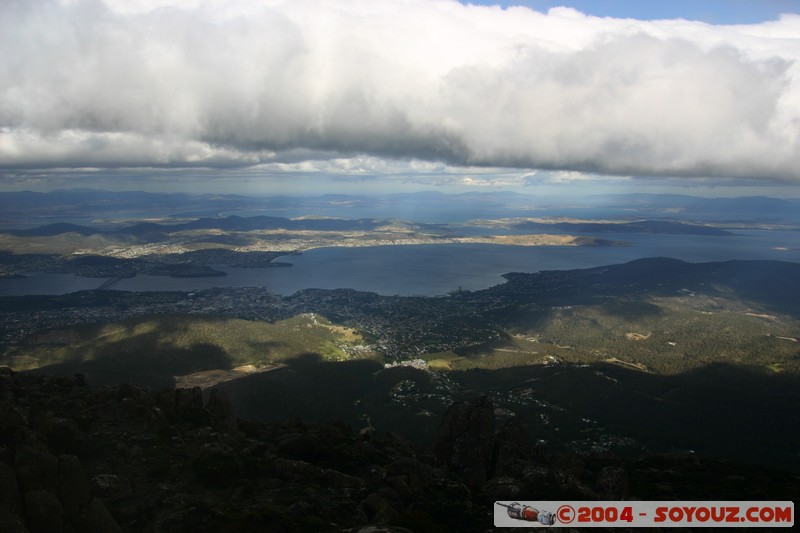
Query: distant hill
point(643, 226)
point(230, 223)
point(750, 208)
point(50, 230)
point(772, 283)
point(263, 222)
point(25, 208)
point(91, 199)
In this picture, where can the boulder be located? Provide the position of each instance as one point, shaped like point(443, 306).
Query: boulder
point(65, 436)
point(512, 450)
point(504, 488)
point(11, 522)
point(217, 463)
point(95, 517)
point(378, 510)
point(35, 469)
point(111, 486)
point(220, 412)
point(383, 529)
point(465, 439)
point(73, 487)
point(9, 491)
point(568, 470)
point(11, 417)
point(310, 448)
point(43, 512)
point(612, 483)
point(188, 400)
point(290, 470)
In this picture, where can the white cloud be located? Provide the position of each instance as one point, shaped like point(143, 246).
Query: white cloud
point(237, 83)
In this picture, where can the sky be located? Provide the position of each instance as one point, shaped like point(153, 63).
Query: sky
point(308, 96)
point(710, 11)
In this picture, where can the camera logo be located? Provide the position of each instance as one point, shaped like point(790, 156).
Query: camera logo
point(527, 513)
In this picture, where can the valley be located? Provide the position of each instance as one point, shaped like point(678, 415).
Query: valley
point(589, 358)
point(629, 344)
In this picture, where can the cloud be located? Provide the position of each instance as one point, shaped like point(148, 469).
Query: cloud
point(232, 84)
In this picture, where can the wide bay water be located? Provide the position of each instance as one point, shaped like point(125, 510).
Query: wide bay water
point(436, 269)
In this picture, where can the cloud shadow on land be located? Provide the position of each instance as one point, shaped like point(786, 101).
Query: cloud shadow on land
point(730, 412)
point(150, 364)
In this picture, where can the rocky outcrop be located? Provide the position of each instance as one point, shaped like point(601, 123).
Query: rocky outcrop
point(465, 440)
point(42, 489)
point(129, 459)
point(125, 458)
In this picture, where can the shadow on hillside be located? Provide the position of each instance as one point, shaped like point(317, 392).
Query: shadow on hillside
point(147, 353)
point(721, 411)
point(742, 413)
point(726, 411)
point(307, 387)
point(153, 365)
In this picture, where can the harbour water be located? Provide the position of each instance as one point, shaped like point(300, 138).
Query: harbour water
point(430, 270)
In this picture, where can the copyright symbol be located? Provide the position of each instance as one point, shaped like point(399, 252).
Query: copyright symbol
point(565, 514)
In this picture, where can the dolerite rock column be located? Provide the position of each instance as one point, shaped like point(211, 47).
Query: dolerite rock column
point(465, 441)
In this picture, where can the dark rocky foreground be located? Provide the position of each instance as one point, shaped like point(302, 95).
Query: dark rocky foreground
point(125, 458)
